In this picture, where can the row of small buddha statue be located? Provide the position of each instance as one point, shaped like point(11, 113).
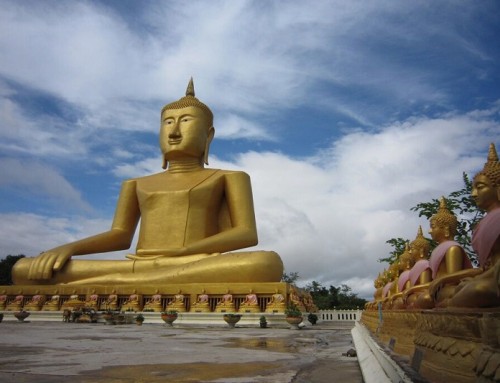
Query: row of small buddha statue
point(446, 278)
point(38, 302)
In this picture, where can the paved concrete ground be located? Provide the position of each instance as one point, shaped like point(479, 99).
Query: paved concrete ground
point(52, 352)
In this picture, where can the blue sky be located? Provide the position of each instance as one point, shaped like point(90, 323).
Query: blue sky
point(344, 113)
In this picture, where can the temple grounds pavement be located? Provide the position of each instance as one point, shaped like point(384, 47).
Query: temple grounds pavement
point(53, 352)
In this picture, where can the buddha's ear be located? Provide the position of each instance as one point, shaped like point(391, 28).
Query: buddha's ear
point(447, 232)
point(210, 137)
point(164, 161)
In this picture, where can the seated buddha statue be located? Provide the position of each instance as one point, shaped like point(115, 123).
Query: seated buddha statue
point(202, 303)
point(111, 302)
point(420, 274)
point(250, 304)
point(191, 220)
point(92, 300)
point(448, 257)
point(277, 303)
point(53, 303)
point(154, 304)
point(133, 303)
point(483, 289)
point(3, 300)
point(226, 303)
point(379, 284)
point(73, 303)
point(177, 304)
point(17, 303)
point(36, 302)
point(405, 262)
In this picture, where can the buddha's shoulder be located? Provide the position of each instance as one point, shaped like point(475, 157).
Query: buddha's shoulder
point(208, 172)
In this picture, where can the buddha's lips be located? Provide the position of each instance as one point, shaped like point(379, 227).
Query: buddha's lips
point(173, 141)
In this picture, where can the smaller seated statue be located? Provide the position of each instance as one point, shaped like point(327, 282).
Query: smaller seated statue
point(133, 303)
point(277, 303)
point(17, 303)
point(91, 301)
point(53, 303)
point(393, 293)
point(73, 303)
point(448, 258)
point(3, 300)
point(482, 290)
point(177, 303)
point(250, 304)
point(154, 304)
point(226, 303)
point(379, 284)
point(404, 264)
point(417, 297)
point(202, 304)
point(111, 302)
point(36, 302)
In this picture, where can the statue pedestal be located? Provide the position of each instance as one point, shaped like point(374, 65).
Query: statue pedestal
point(215, 291)
point(442, 345)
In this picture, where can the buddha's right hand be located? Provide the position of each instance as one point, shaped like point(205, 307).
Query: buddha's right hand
point(43, 266)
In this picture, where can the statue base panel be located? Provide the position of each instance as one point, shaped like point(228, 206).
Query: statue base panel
point(215, 291)
point(452, 345)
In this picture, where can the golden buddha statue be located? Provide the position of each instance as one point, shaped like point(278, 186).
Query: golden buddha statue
point(133, 303)
point(250, 304)
point(483, 289)
point(3, 300)
point(111, 302)
point(154, 304)
point(17, 303)
point(53, 303)
point(405, 262)
point(226, 303)
point(177, 304)
point(191, 220)
point(36, 302)
point(448, 257)
point(277, 303)
point(92, 300)
point(420, 274)
point(202, 303)
point(73, 303)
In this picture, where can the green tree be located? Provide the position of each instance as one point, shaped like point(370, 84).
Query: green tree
point(334, 297)
point(6, 265)
point(290, 277)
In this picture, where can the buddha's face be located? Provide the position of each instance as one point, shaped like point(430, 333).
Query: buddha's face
point(437, 232)
point(184, 133)
point(484, 193)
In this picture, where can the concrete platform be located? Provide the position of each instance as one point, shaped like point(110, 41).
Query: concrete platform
point(56, 352)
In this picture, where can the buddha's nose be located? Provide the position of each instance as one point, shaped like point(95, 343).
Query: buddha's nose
point(175, 131)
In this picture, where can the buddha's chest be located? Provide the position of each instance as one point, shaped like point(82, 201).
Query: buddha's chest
point(198, 191)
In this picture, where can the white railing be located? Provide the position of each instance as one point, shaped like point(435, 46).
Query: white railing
point(340, 315)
